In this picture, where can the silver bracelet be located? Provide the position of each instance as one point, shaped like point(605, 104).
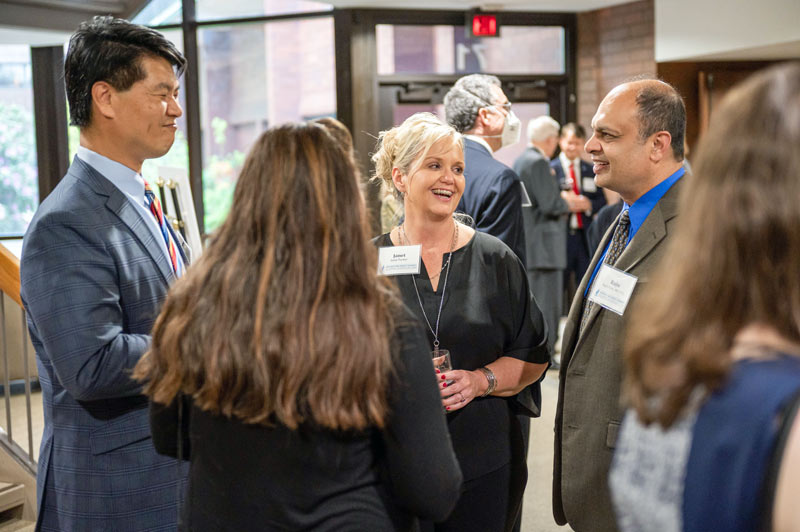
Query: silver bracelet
point(489, 377)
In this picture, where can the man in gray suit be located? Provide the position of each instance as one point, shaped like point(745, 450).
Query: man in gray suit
point(97, 261)
point(637, 151)
point(544, 212)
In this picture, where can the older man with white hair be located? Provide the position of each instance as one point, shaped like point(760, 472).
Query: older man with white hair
point(544, 220)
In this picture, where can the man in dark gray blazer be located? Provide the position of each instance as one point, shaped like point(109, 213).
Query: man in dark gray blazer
point(637, 150)
point(544, 212)
point(96, 264)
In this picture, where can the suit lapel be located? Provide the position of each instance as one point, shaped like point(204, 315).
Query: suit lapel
point(121, 205)
point(134, 219)
point(649, 235)
point(572, 329)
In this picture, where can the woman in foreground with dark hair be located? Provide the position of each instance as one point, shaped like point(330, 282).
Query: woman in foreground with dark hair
point(713, 350)
point(301, 394)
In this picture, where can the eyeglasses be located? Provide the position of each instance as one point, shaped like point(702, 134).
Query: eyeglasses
point(506, 106)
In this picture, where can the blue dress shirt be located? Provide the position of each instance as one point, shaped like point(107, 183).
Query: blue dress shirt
point(638, 212)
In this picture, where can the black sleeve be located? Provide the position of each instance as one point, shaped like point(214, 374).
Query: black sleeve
point(424, 474)
point(598, 200)
point(165, 422)
point(603, 219)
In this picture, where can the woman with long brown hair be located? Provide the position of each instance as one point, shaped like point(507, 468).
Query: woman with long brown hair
point(301, 394)
point(713, 348)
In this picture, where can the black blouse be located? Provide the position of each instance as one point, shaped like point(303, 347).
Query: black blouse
point(252, 477)
point(487, 313)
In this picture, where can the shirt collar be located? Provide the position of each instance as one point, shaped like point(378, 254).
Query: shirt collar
point(641, 208)
point(122, 177)
point(481, 141)
point(567, 162)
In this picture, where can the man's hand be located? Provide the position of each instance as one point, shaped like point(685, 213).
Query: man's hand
point(576, 202)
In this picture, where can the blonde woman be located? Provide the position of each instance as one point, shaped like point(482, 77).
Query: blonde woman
point(472, 295)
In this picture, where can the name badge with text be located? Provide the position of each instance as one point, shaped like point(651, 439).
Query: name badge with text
point(399, 260)
point(588, 184)
point(612, 288)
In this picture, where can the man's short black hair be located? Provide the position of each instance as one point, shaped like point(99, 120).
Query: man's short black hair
point(110, 49)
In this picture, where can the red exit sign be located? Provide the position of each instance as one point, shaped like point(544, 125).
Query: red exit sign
point(482, 25)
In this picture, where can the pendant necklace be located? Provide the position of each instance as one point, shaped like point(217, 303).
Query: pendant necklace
point(446, 267)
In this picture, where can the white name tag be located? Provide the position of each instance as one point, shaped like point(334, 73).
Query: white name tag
point(399, 260)
point(612, 288)
point(588, 184)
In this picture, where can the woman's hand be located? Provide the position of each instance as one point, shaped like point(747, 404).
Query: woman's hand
point(458, 388)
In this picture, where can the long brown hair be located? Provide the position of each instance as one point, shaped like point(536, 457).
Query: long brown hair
point(283, 319)
point(735, 257)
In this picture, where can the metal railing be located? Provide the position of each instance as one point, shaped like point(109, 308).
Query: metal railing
point(10, 286)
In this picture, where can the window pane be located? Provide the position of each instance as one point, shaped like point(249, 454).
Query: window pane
point(227, 9)
point(446, 50)
point(158, 12)
point(19, 194)
point(254, 76)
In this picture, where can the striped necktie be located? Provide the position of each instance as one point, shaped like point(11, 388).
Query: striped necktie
point(618, 242)
point(155, 207)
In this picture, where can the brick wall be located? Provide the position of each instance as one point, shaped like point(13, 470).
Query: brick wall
point(614, 44)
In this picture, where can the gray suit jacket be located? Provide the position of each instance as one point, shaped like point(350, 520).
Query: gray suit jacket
point(588, 413)
point(93, 280)
point(545, 230)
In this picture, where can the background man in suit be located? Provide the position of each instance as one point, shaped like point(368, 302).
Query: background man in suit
point(575, 174)
point(545, 230)
point(477, 107)
point(637, 150)
point(96, 264)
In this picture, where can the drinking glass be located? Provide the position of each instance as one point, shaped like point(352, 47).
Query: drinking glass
point(441, 361)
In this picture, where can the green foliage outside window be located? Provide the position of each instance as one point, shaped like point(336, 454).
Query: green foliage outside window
point(18, 175)
point(219, 178)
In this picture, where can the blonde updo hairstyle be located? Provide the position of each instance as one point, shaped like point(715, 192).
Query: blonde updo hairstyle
point(405, 146)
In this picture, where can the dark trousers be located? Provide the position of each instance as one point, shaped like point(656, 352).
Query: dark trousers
point(525, 426)
point(492, 502)
point(548, 291)
point(577, 263)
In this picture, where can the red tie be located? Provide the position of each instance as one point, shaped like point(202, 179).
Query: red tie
point(578, 215)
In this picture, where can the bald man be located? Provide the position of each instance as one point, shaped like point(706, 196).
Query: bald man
point(637, 150)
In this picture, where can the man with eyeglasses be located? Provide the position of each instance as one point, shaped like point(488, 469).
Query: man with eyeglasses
point(477, 107)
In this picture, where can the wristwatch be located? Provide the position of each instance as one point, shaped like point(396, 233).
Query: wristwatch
point(489, 377)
